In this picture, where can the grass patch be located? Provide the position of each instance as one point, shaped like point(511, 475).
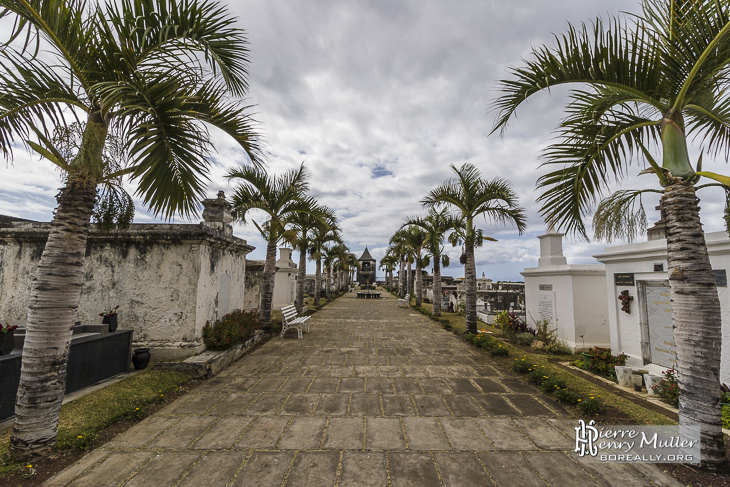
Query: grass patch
point(81, 420)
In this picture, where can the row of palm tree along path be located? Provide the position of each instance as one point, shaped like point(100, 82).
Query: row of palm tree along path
point(142, 79)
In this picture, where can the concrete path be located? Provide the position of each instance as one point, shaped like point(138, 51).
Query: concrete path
point(375, 395)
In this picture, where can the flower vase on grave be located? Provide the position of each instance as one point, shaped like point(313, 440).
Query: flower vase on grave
point(111, 320)
point(7, 342)
point(623, 376)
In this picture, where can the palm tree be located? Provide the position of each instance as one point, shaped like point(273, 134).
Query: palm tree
point(322, 233)
point(397, 243)
point(471, 196)
point(303, 225)
point(436, 224)
point(279, 198)
point(388, 263)
point(330, 260)
point(152, 72)
point(416, 240)
point(647, 83)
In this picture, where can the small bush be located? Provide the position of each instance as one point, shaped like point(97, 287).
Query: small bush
point(668, 389)
point(524, 339)
point(537, 375)
point(235, 327)
point(521, 366)
point(566, 397)
point(558, 347)
point(499, 351)
point(544, 333)
point(601, 362)
point(447, 325)
point(552, 384)
point(591, 405)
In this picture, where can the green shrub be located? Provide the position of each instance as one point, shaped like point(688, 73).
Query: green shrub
point(499, 351)
point(558, 347)
point(566, 397)
point(537, 375)
point(235, 327)
point(521, 366)
point(525, 339)
point(726, 417)
point(447, 325)
point(552, 384)
point(591, 405)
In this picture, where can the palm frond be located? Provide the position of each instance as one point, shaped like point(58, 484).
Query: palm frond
point(621, 216)
point(157, 32)
point(625, 60)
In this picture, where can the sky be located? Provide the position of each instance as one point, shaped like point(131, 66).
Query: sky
point(378, 98)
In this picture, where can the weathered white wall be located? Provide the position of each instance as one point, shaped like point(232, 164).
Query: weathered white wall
point(639, 259)
point(166, 279)
point(579, 302)
point(578, 295)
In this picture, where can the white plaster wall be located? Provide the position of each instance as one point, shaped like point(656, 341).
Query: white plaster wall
point(216, 262)
point(579, 302)
point(590, 310)
point(639, 259)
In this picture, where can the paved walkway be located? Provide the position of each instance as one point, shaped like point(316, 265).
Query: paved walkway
point(374, 395)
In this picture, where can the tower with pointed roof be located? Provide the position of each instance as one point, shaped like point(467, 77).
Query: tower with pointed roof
point(366, 272)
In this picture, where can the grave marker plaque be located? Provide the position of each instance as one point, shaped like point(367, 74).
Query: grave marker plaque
point(661, 333)
point(545, 287)
point(623, 279)
point(546, 306)
point(720, 277)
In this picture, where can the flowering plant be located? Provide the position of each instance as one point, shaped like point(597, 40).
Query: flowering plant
point(8, 327)
point(668, 389)
point(110, 311)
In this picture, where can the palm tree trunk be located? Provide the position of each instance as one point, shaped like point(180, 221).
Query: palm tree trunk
point(329, 283)
point(437, 285)
point(318, 282)
point(54, 299)
point(470, 278)
point(419, 283)
point(697, 322)
point(267, 285)
point(301, 278)
point(409, 279)
point(402, 279)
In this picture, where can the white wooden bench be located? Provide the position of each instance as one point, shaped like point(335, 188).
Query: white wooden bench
point(406, 301)
point(290, 320)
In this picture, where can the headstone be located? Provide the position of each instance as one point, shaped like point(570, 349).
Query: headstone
point(623, 376)
point(546, 306)
point(661, 332)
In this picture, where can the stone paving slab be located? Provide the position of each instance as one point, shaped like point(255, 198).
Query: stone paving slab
point(375, 395)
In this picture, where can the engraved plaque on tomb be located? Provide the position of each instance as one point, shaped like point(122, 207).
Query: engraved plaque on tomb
point(661, 333)
point(546, 306)
point(720, 277)
point(545, 287)
point(623, 279)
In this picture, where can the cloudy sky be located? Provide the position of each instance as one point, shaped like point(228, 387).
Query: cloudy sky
point(378, 98)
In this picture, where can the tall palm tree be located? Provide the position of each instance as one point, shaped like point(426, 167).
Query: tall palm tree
point(303, 225)
point(397, 243)
point(322, 233)
point(436, 224)
point(646, 83)
point(388, 263)
point(471, 196)
point(331, 253)
point(152, 72)
point(279, 198)
point(416, 239)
